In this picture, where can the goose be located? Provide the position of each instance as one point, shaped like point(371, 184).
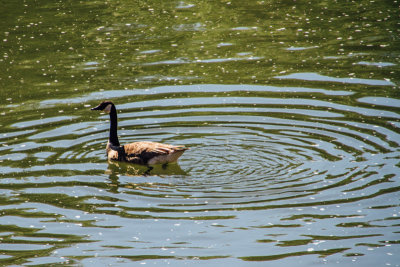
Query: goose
point(143, 152)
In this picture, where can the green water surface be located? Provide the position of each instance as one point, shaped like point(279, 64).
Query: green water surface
point(291, 110)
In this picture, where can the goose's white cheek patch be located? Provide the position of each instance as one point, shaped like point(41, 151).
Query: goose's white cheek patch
point(108, 108)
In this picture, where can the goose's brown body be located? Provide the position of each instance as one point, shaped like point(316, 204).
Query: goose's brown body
point(147, 153)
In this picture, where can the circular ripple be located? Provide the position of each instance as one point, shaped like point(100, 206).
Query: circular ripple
point(259, 159)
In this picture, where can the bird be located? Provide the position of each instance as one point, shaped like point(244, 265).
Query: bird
point(142, 152)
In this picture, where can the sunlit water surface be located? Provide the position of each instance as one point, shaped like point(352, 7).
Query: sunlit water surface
point(291, 113)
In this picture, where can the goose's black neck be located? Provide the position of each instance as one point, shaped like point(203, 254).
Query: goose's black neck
point(113, 139)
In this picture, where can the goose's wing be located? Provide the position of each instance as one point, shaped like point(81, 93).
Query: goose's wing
point(151, 147)
point(142, 152)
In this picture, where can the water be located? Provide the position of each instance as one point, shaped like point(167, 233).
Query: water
point(291, 111)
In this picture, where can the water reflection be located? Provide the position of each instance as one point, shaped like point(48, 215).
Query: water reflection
point(116, 169)
point(291, 113)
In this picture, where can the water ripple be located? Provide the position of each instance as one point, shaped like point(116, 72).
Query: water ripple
point(263, 161)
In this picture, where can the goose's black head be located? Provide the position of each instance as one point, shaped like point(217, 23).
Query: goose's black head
point(105, 105)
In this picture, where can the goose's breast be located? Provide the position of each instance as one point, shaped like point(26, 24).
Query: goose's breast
point(112, 154)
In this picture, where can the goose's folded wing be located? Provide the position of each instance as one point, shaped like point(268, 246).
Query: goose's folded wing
point(148, 147)
point(143, 152)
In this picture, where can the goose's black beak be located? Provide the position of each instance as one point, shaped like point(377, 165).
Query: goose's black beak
point(105, 105)
point(99, 107)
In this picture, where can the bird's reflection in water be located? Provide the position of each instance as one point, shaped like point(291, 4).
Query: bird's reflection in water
point(116, 169)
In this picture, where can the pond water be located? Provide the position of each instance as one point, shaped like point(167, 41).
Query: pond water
point(291, 110)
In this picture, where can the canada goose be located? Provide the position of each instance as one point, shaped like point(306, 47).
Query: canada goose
point(146, 153)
